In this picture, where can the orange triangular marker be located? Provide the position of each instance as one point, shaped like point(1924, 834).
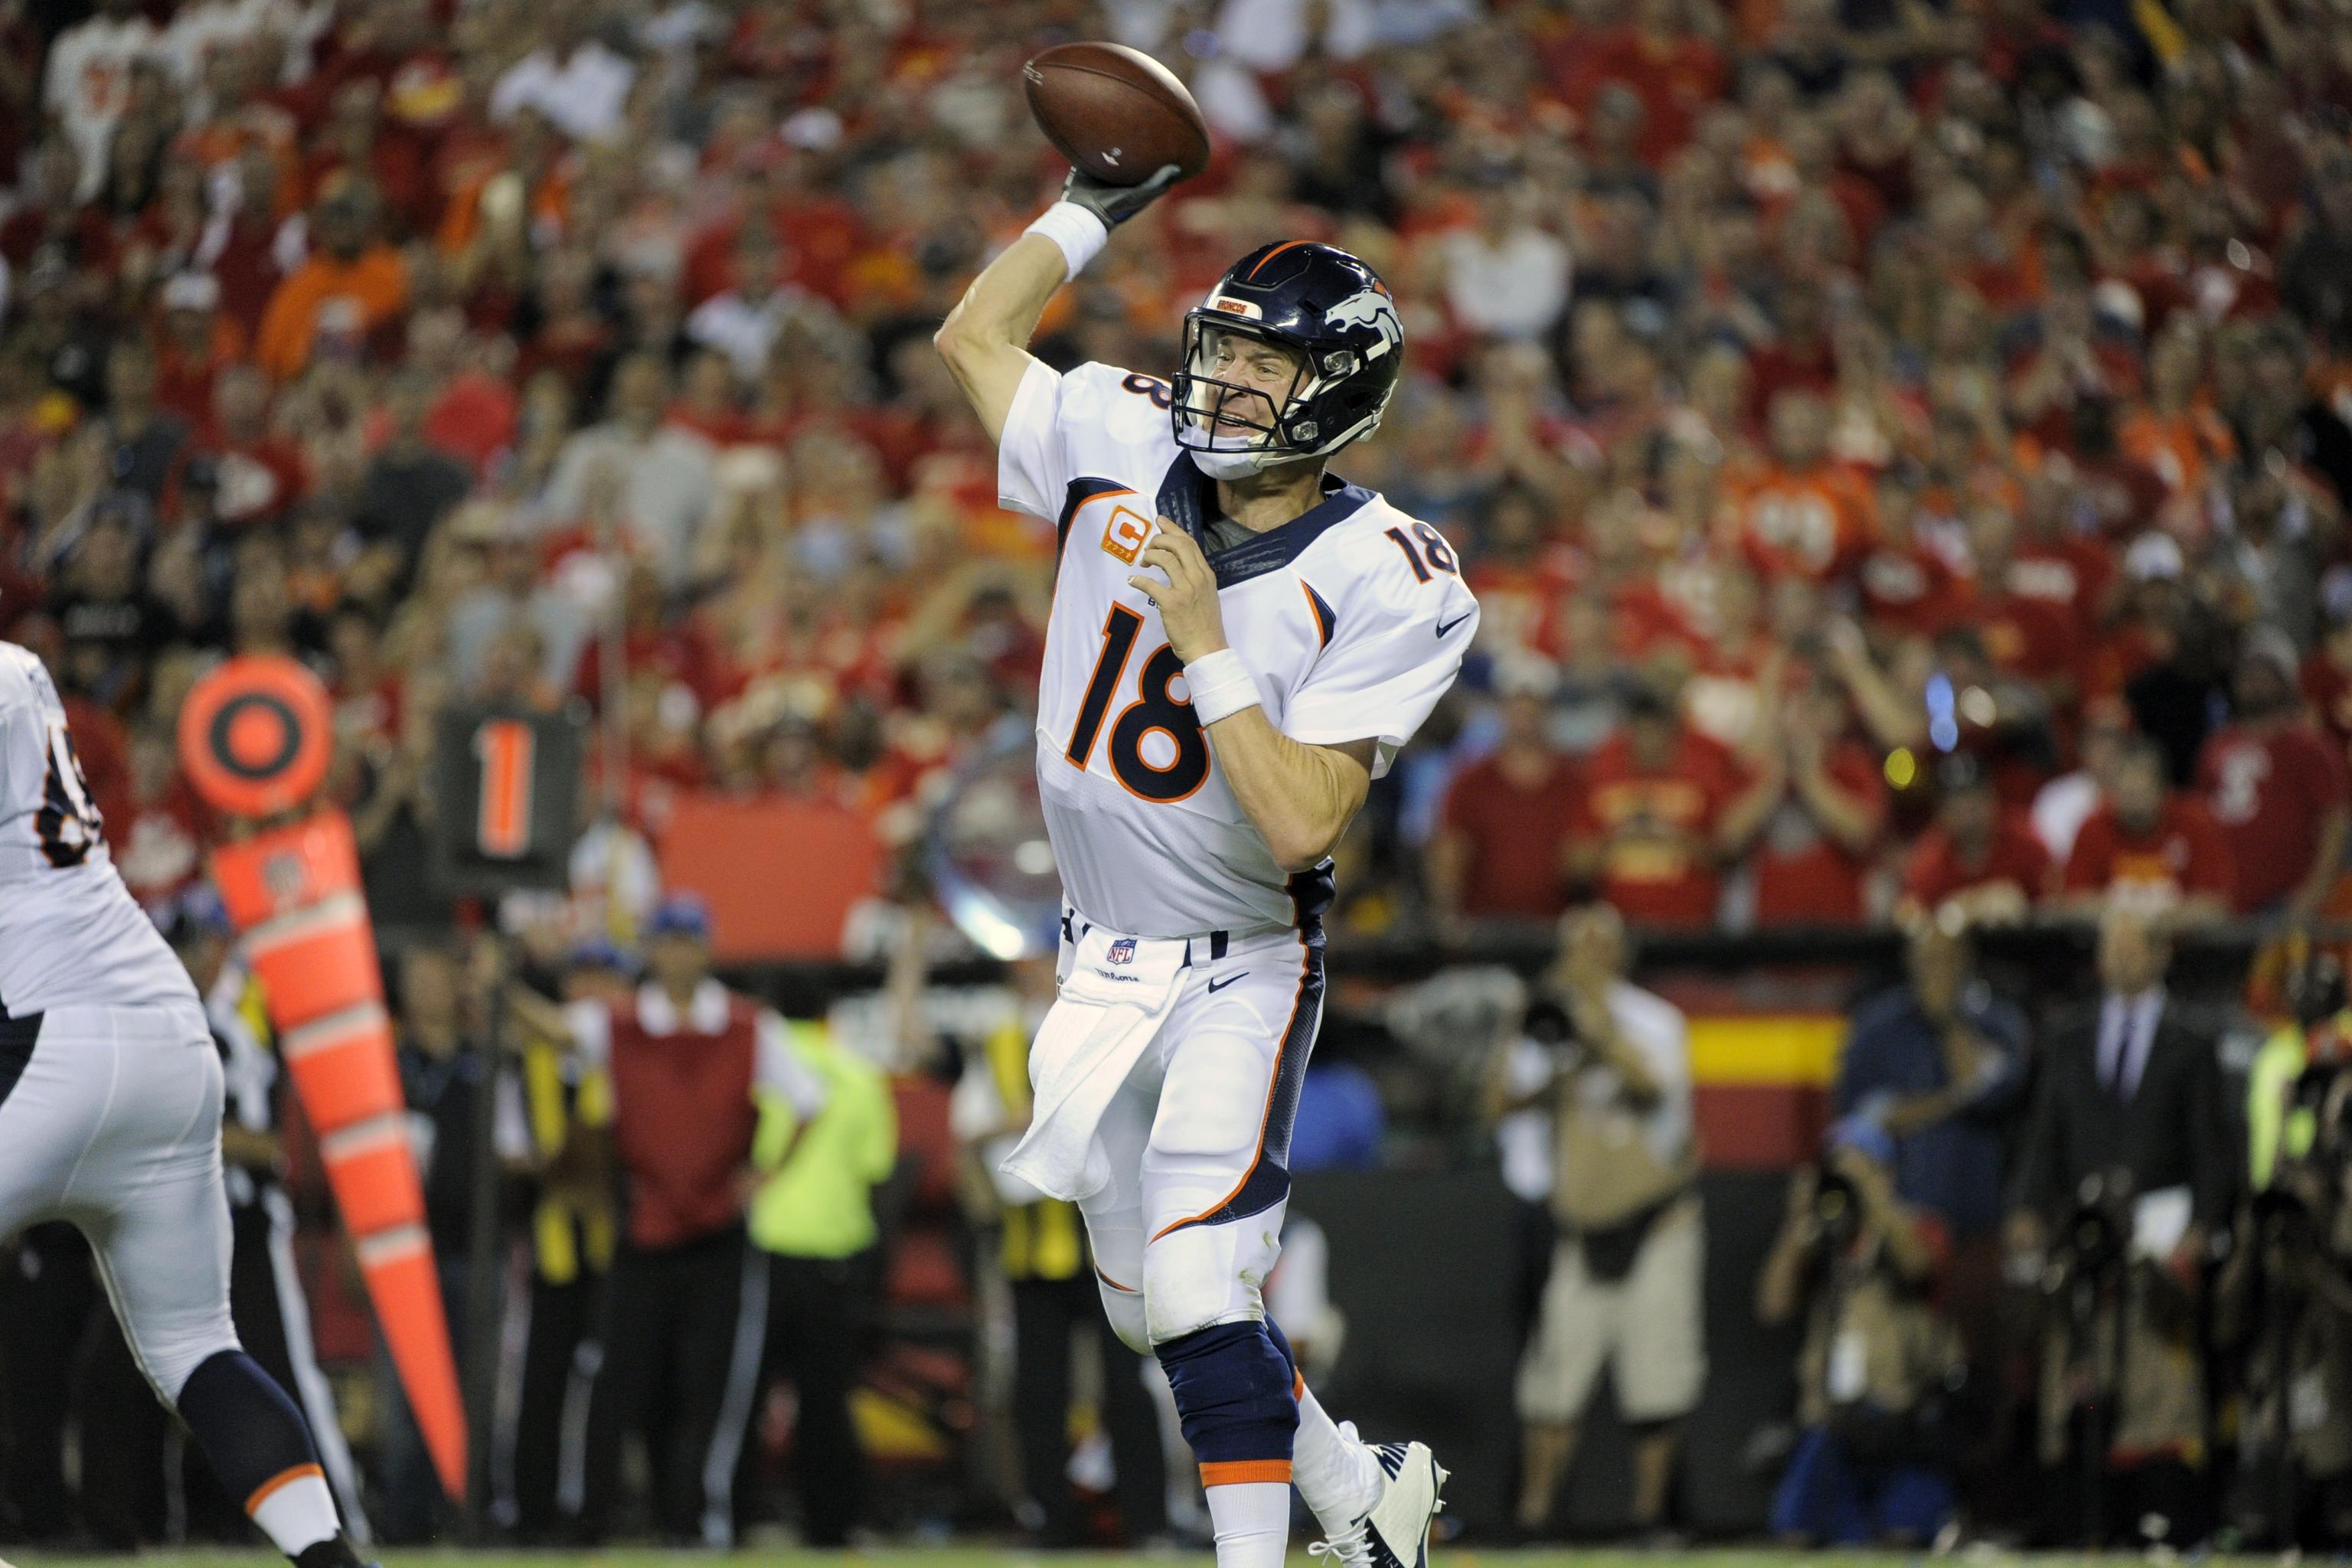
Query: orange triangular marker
point(294, 893)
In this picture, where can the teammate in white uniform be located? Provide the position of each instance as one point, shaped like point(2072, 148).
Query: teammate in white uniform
point(111, 1093)
point(1240, 643)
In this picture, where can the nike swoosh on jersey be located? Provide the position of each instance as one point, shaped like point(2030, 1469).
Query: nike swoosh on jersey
point(1445, 626)
point(1217, 985)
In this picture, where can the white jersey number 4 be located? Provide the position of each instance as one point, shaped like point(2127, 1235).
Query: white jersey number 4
point(68, 825)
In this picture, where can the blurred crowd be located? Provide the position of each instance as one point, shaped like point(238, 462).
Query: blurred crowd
point(1816, 393)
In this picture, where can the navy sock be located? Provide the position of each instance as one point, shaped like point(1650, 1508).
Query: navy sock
point(1233, 1391)
point(249, 1431)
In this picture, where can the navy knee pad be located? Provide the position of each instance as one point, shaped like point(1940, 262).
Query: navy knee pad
point(1233, 1391)
point(250, 1432)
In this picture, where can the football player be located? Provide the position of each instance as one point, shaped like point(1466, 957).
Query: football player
point(110, 1098)
point(1240, 643)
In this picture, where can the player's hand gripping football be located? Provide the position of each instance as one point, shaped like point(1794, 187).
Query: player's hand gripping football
point(1117, 203)
point(1188, 599)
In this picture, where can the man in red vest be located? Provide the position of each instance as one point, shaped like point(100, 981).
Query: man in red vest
point(689, 1063)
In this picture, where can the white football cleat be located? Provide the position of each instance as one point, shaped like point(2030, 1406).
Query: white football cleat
point(1394, 1532)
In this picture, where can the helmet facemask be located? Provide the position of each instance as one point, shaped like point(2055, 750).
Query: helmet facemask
point(1232, 429)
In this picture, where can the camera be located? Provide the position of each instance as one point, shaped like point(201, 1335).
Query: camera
point(2316, 988)
point(1837, 1206)
point(2093, 1241)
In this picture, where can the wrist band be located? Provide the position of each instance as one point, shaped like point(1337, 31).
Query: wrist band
point(1222, 686)
point(1078, 231)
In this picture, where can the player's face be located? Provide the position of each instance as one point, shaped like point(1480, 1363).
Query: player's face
point(1253, 380)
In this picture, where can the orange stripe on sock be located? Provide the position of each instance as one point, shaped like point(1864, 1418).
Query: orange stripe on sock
point(284, 1477)
point(1242, 1472)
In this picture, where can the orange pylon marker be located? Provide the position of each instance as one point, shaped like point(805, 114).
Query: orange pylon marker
point(294, 891)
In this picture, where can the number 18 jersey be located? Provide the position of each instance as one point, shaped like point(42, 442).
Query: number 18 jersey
point(1352, 617)
point(70, 932)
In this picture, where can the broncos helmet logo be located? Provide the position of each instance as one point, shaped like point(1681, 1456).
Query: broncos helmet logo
point(1369, 307)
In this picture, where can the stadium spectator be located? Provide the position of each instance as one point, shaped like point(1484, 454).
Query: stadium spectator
point(406, 489)
point(2149, 845)
point(573, 1228)
point(1342, 1124)
point(2128, 1123)
point(647, 480)
point(678, 1339)
point(1804, 515)
point(1664, 807)
point(2064, 803)
point(1980, 861)
point(1860, 1265)
point(2274, 787)
point(444, 1071)
point(1938, 1062)
point(88, 83)
point(812, 1218)
point(1502, 841)
point(572, 78)
point(1624, 1285)
point(350, 288)
point(1812, 860)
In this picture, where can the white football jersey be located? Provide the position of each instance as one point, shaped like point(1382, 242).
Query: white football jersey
point(1352, 617)
point(70, 932)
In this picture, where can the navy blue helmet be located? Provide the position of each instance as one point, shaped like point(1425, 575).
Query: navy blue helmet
point(1336, 317)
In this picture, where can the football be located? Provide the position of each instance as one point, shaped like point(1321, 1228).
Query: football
point(1115, 112)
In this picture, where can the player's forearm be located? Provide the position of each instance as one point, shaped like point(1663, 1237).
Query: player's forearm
point(1300, 798)
point(985, 339)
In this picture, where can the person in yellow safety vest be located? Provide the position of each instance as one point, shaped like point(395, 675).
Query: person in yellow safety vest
point(2280, 1124)
point(567, 1104)
point(1043, 1253)
point(813, 1216)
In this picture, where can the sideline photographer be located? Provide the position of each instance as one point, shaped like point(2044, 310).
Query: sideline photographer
point(1625, 1289)
point(1879, 1372)
point(2284, 1305)
point(2123, 1177)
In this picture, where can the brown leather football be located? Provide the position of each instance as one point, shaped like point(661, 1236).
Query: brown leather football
point(1115, 112)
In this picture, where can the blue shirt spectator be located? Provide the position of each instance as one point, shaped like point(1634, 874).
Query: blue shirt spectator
point(1340, 1121)
point(1938, 1062)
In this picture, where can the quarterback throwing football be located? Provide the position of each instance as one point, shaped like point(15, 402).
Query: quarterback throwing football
point(1240, 643)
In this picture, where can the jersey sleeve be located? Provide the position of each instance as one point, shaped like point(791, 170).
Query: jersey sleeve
point(1032, 464)
point(1397, 646)
point(1058, 423)
point(16, 744)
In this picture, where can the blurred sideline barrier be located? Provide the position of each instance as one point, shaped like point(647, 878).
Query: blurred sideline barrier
point(738, 852)
point(1432, 1344)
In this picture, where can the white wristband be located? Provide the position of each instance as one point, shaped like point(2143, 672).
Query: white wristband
point(1078, 231)
point(1222, 686)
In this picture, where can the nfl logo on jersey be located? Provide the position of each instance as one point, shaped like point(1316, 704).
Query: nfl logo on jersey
point(1122, 950)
